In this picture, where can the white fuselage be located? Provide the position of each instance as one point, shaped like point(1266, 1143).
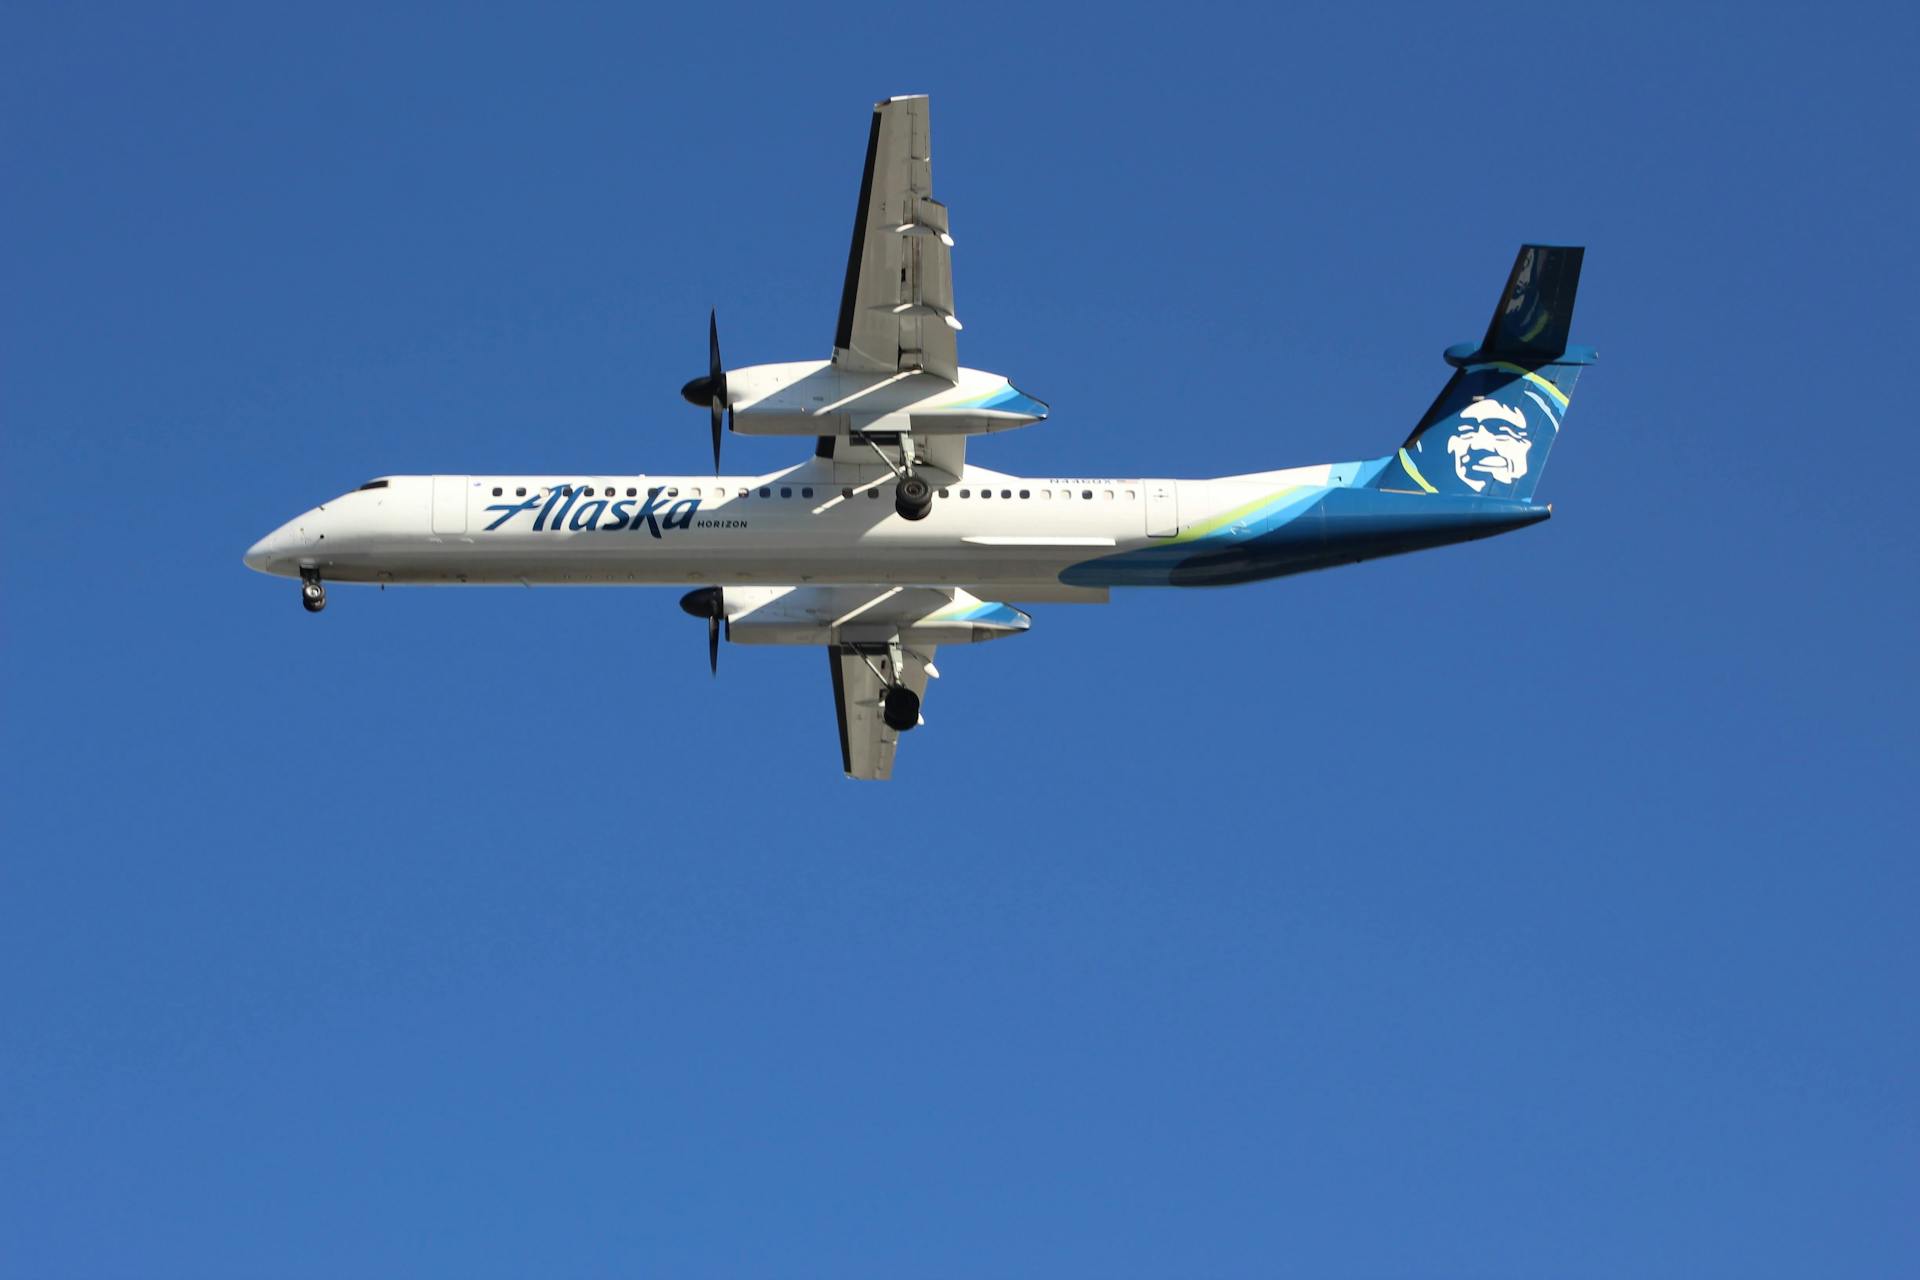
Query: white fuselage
point(820, 522)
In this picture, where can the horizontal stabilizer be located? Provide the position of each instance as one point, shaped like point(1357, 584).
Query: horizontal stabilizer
point(1531, 322)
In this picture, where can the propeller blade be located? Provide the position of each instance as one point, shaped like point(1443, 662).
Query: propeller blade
point(711, 390)
point(709, 603)
point(716, 383)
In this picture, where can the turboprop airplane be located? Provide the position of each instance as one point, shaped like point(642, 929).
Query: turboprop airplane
point(887, 544)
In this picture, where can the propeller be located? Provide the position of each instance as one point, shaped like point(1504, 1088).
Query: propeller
point(712, 389)
point(709, 603)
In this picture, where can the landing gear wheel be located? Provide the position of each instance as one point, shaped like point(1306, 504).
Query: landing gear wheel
point(913, 498)
point(902, 709)
point(313, 596)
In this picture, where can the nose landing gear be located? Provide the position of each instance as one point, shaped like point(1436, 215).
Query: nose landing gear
point(313, 595)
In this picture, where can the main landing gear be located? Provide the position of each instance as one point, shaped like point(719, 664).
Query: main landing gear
point(912, 496)
point(901, 709)
point(899, 705)
point(313, 595)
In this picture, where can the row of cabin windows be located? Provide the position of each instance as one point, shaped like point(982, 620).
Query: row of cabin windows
point(1047, 495)
point(693, 491)
point(806, 491)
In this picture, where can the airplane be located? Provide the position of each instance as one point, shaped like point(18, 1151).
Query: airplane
point(886, 544)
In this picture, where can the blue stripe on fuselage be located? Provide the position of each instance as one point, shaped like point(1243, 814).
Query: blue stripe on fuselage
point(1330, 527)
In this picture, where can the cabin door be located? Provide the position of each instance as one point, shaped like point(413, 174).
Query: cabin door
point(1163, 508)
point(449, 504)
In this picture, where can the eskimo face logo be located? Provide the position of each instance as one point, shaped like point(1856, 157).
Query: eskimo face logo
point(1491, 441)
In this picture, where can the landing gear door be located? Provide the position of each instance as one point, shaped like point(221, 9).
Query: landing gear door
point(1163, 508)
point(449, 504)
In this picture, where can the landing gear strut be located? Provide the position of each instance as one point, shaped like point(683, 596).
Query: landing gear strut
point(313, 596)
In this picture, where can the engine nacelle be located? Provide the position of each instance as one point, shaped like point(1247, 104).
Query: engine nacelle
point(815, 398)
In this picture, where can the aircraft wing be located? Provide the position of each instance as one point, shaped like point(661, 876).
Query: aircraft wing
point(868, 632)
point(896, 309)
point(866, 744)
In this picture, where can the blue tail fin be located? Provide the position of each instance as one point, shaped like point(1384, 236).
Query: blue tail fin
point(1489, 432)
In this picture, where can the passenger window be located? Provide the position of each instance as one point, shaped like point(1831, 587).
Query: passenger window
point(806, 493)
point(785, 492)
point(673, 493)
point(943, 493)
point(1131, 496)
point(520, 492)
point(1025, 494)
point(766, 493)
point(1086, 495)
point(743, 493)
point(496, 491)
point(632, 492)
point(874, 494)
point(986, 493)
point(966, 493)
point(1006, 493)
point(654, 492)
point(1046, 495)
point(1107, 494)
point(846, 493)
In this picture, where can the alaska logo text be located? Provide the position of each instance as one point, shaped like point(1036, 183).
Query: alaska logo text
point(557, 512)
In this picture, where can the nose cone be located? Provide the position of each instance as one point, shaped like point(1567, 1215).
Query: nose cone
point(275, 553)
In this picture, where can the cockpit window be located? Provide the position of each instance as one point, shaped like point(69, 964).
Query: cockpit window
point(373, 484)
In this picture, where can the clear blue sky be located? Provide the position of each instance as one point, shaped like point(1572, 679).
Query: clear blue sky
point(1536, 907)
